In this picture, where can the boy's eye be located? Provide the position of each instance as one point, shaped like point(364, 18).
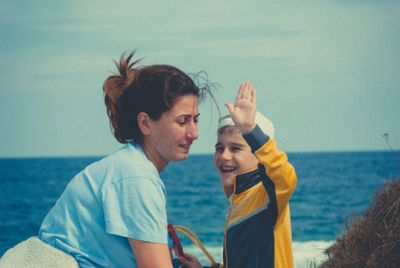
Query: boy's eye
point(219, 149)
point(235, 149)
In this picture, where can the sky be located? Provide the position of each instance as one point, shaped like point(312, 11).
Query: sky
point(327, 73)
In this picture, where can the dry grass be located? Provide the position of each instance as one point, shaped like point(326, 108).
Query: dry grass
point(372, 240)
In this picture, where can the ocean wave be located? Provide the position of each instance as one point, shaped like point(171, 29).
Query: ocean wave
point(215, 252)
point(308, 252)
point(304, 253)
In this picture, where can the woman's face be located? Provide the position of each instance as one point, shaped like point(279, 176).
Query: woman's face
point(172, 135)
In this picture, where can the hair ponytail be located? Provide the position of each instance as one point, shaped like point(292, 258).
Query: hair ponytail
point(114, 87)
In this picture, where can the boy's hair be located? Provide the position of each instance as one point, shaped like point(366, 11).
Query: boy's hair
point(226, 125)
point(228, 130)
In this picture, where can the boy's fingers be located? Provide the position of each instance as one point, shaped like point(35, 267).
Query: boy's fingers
point(230, 107)
point(183, 261)
point(241, 92)
point(186, 260)
point(247, 91)
point(253, 96)
point(249, 94)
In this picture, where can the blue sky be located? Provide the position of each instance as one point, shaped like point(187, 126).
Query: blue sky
point(326, 72)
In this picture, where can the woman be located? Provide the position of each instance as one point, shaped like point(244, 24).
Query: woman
point(113, 213)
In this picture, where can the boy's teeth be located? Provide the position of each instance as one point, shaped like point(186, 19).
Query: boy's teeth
point(227, 169)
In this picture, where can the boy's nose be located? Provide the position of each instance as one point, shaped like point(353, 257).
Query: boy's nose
point(226, 154)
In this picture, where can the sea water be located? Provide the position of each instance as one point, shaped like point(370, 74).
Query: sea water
point(331, 187)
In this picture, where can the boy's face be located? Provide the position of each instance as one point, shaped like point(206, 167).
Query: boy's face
point(233, 156)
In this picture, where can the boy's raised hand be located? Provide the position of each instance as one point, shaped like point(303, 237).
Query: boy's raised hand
point(244, 110)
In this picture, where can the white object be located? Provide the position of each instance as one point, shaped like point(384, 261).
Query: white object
point(34, 253)
point(264, 123)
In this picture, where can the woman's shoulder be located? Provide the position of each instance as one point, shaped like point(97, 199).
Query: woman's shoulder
point(127, 162)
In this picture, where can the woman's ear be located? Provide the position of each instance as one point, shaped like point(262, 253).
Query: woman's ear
point(144, 123)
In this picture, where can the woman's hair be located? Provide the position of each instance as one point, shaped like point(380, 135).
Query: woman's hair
point(151, 89)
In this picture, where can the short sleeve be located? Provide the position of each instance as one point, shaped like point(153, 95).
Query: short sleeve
point(136, 208)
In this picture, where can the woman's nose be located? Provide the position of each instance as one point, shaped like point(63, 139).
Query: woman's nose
point(192, 131)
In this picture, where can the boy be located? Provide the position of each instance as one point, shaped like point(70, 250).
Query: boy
point(258, 181)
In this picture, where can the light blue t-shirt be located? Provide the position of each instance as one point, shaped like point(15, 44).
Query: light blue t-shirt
point(115, 198)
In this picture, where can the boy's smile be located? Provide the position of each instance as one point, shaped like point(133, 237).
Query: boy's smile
point(233, 156)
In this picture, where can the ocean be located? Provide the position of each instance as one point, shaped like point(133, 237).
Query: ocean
point(332, 186)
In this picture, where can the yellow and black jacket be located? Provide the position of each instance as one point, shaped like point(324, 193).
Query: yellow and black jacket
point(258, 231)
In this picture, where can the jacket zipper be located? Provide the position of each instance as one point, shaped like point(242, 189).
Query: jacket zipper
point(226, 223)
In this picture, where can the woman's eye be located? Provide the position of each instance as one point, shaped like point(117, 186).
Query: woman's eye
point(187, 120)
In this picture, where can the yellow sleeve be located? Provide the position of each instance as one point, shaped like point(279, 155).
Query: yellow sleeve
point(283, 241)
point(280, 171)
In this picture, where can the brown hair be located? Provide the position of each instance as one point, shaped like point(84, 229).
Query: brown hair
point(152, 89)
point(228, 130)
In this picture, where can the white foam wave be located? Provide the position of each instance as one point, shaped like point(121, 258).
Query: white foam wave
point(308, 252)
point(215, 252)
point(304, 253)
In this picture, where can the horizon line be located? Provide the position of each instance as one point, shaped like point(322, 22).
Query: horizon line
point(211, 153)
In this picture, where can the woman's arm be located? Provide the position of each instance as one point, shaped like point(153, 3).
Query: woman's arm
point(150, 255)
